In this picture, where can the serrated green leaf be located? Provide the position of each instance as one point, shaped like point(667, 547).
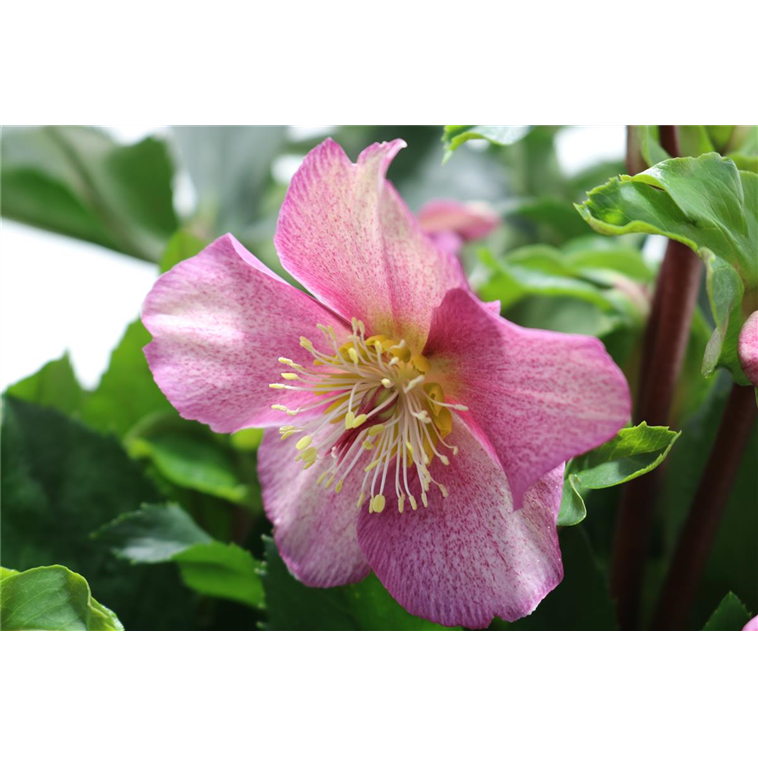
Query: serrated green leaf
point(225, 571)
point(707, 204)
point(364, 606)
point(78, 181)
point(127, 391)
point(166, 533)
point(632, 453)
point(454, 136)
point(54, 385)
point(152, 534)
point(51, 598)
point(730, 615)
point(192, 461)
point(60, 482)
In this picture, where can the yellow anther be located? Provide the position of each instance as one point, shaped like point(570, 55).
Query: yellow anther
point(371, 466)
point(412, 500)
point(306, 343)
point(424, 499)
point(376, 430)
point(290, 376)
point(303, 443)
point(361, 497)
point(286, 434)
point(310, 454)
point(309, 464)
point(377, 503)
point(386, 383)
point(276, 386)
point(443, 490)
point(444, 459)
point(359, 420)
point(420, 363)
point(368, 445)
point(338, 488)
point(320, 479)
point(349, 418)
point(280, 407)
point(353, 355)
point(401, 502)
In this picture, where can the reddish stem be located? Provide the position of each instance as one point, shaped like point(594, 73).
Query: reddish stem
point(665, 342)
point(702, 523)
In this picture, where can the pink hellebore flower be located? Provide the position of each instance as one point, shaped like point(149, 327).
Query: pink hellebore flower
point(748, 348)
point(425, 436)
point(451, 224)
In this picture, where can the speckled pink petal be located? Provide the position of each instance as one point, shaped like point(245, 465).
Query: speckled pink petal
point(751, 625)
point(471, 220)
point(470, 556)
point(314, 529)
point(346, 234)
point(220, 321)
point(539, 397)
point(748, 348)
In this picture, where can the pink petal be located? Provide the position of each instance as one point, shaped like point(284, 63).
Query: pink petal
point(314, 529)
point(220, 321)
point(751, 625)
point(470, 556)
point(447, 241)
point(346, 234)
point(539, 397)
point(470, 221)
point(748, 348)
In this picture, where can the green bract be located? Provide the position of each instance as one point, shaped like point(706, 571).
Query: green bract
point(730, 615)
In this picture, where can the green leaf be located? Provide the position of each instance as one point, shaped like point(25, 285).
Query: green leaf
point(60, 481)
point(454, 136)
point(230, 167)
point(364, 606)
point(572, 510)
point(744, 140)
point(182, 246)
point(127, 391)
point(54, 385)
point(581, 602)
point(77, 181)
point(705, 203)
point(152, 534)
point(587, 275)
point(632, 453)
point(193, 461)
point(51, 599)
point(166, 533)
point(730, 615)
point(725, 292)
point(225, 571)
point(649, 146)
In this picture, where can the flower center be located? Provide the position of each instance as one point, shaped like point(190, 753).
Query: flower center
point(381, 417)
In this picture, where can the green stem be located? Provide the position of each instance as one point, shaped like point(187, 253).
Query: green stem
point(702, 523)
